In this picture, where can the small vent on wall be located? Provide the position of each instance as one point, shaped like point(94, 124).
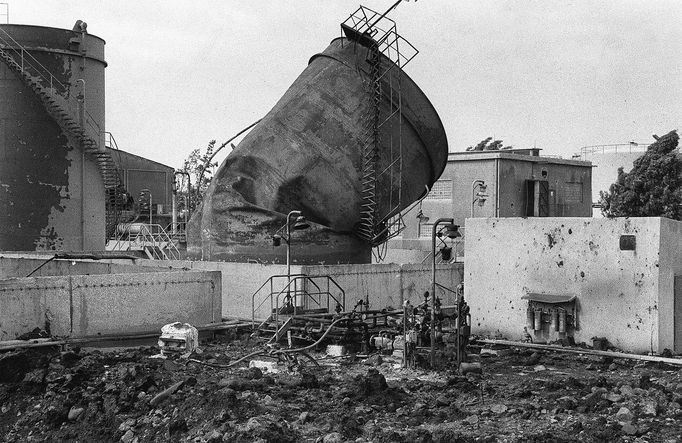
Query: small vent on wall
point(628, 243)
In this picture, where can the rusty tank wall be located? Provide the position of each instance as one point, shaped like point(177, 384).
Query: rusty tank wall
point(51, 194)
point(306, 154)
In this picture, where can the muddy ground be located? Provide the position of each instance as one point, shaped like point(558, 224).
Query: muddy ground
point(113, 395)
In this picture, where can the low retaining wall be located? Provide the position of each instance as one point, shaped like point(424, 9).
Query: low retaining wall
point(17, 265)
point(89, 305)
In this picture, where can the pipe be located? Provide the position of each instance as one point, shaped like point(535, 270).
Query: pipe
point(188, 197)
point(538, 320)
point(208, 162)
point(297, 213)
point(318, 341)
point(530, 319)
point(477, 182)
point(42, 264)
point(81, 117)
point(174, 208)
point(562, 321)
point(554, 326)
point(497, 187)
point(671, 361)
point(433, 286)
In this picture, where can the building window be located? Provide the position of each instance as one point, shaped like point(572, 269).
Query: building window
point(441, 190)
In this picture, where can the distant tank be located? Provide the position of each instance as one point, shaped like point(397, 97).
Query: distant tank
point(53, 172)
point(607, 159)
point(351, 143)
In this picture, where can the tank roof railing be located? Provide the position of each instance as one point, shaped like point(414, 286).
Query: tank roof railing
point(29, 60)
point(6, 13)
point(383, 33)
point(110, 141)
point(614, 148)
point(8, 43)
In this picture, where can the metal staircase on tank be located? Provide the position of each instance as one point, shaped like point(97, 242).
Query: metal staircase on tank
point(33, 74)
point(385, 58)
point(370, 150)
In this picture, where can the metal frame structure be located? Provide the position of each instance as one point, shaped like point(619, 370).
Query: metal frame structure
point(296, 284)
point(388, 51)
point(152, 239)
point(613, 148)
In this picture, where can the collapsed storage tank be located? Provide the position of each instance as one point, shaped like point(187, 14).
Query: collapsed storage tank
point(351, 144)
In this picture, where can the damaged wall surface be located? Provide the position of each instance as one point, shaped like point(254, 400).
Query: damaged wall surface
point(624, 295)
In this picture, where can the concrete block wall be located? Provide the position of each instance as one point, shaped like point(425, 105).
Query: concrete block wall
point(89, 305)
point(620, 293)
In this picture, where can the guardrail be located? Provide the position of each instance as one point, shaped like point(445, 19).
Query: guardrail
point(614, 148)
point(297, 291)
point(152, 239)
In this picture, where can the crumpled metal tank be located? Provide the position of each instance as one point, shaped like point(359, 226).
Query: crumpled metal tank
point(306, 154)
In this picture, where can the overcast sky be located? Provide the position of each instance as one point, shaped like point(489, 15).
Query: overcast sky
point(557, 74)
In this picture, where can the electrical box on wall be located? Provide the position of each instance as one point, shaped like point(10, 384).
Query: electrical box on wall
point(551, 317)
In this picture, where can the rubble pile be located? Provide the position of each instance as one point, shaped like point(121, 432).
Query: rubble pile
point(127, 395)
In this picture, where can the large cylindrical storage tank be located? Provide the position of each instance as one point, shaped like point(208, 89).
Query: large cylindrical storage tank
point(51, 192)
point(307, 154)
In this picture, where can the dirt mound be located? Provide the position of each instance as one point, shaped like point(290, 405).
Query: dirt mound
point(130, 395)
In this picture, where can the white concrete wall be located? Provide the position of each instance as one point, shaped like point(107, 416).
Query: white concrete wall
point(239, 282)
point(386, 285)
point(670, 265)
point(618, 291)
point(389, 285)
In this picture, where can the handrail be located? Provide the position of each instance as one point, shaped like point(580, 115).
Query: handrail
point(380, 33)
point(293, 280)
point(269, 280)
point(614, 148)
point(446, 288)
point(42, 71)
point(21, 54)
point(110, 141)
point(149, 236)
point(303, 292)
